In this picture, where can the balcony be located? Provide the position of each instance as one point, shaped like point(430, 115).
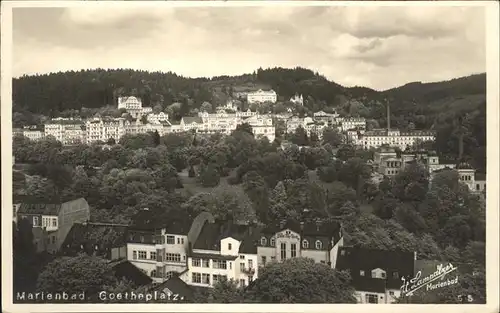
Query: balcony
point(248, 270)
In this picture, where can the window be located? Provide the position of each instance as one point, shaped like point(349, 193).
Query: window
point(283, 251)
point(361, 273)
point(196, 262)
point(229, 246)
point(391, 293)
point(250, 263)
point(273, 258)
point(134, 255)
point(305, 244)
point(382, 275)
point(152, 255)
point(294, 250)
point(263, 241)
point(395, 275)
point(218, 278)
point(142, 255)
point(264, 259)
point(221, 264)
point(206, 263)
point(182, 241)
point(205, 279)
point(242, 282)
point(178, 241)
point(250, 278)
point(53, 239)
point(242, 257)
point(170, 240)
point(142, 238)
point(342, 252)
point(370, 298)
point(272, 242)
point(477, 186)
point(242, 266)
point(197, 278)
point(35, 221)
point(319, 244)
point(172, 257)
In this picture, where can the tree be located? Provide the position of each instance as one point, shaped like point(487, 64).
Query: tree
point(256, 189)
point(345, 152)
point(245, 127)
point(156, 138)
point(411, 184)
point(299, 137)
point(332, 136)
point(78, 274)
point(191, 172)
point(209, 176)
point(225, 291)
point(300, 280)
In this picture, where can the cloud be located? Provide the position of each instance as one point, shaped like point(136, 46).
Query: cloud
point(378, 47)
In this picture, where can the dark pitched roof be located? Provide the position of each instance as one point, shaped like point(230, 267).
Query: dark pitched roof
point(192, 119)
point(177, 286)
point(127, 270)
point(149, 220)
point(44, 207)
point(464, 166)
point(90, 236)
point(212, 233)
point(360, 259)
point(308, 228)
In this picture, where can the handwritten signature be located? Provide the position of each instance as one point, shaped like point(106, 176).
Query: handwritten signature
point(415, 283)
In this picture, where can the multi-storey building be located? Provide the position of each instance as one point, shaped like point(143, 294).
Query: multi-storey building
point(307, 123)
point(67, 130)
point(261, 96)
point(33, 132)
point(222, 251)
point(328, 118)
point(349, 123)
point(104, 129)
point(392, 137)
point(158, 246)
point(313, 239)
point(52, 220)
point(133, 106)
point(376, 274)
point(157, 118)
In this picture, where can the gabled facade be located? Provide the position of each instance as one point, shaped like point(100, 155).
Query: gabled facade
point(314, 239)
point(261, 96)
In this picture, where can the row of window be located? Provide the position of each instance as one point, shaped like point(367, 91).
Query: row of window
point(203, 278)
point(170, 240)
point(217, 264)
point(305, 243)
point(46, 221)
point(169, 257)
point(395, 275)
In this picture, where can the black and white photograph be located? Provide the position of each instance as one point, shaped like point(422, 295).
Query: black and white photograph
point(211, 152)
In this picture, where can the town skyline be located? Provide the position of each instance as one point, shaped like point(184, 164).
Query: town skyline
point(333, 41)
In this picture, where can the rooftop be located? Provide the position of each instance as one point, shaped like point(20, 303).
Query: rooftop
point(212, 233)
point(310, 228)
point(43, 207)
point(396, 264)
point(149, 220)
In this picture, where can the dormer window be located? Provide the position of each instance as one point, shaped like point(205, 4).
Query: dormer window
point(342, 252)
point(361, 273)
point(395, 275)
point(319, 244)
point(229, 246)
point(272, 242)
point(305, 244)
point(382, 275)
point(263, 241)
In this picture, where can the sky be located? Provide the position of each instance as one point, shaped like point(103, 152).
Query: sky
point(375, 47)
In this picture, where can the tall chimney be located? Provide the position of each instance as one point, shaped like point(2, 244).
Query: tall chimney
point(388, 117)
point(460, 139)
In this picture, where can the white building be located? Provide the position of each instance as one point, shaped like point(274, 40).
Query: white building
point(157, 118)
point(223, 251)
point(104, 129)
point(261, 96)
point(316, 240)
point(66, 130)
point(308, 124)
point(133, 106)
point(158, 247)
point(376, 274)
point(348, 123)
point(393, 138)
point(33, 132)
